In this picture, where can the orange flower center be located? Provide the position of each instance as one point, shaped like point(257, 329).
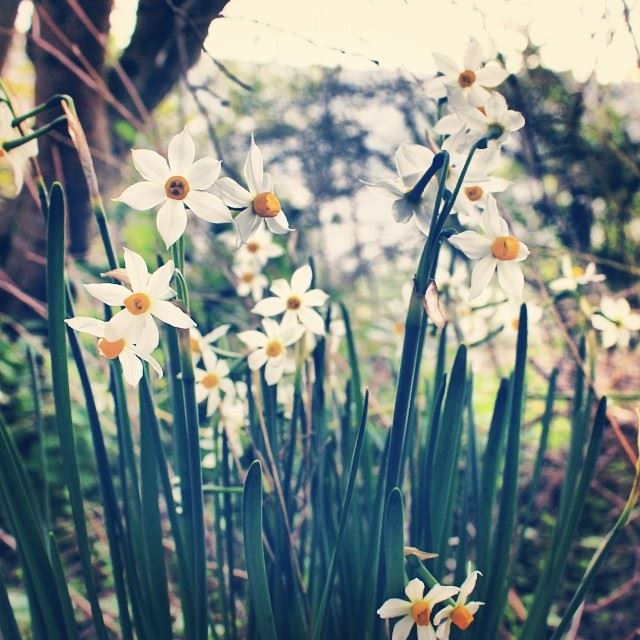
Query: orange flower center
point(195, 345)
point(247, 277)
point(461, 617)
point(274, 348)
point(210, 380)
point(398, 327)
point(515, 324)
point(505, 248)
point(176, 188)
point(474, 193)
point(266, 205)
point(110, 349)
point(253, 247)
point(421, 612)
point(577, 271)
point(294, 303)
point(466, 78)
point(137, 303)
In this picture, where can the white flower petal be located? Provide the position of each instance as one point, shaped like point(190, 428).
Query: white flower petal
point(142, 195)
point(472, 56)
point(439, 592)
point(442, 614)
point(468, 586)
point(136, 270)
point(213, 402)
point(247, 223)
point(271, 306)
point(491, 76)
point(412, 161)
point(170, 314)
point(182, 151)
point(492, 223)
point(481, 275)
point(171, 221)
point(274, 370)
point(513, 120)
point(253, 339)
point(394, 608)
point(278, 224)
point(392, 189)
point(92, 326)
point(257, 359)
point(474, 245)
point(149, 337)
point(232, 193)
point(155, 365)
point(301, 279)
point(124, 325)
point(315, 298)
point(203, 173)
point(510, 278)
point(208, 207)
point(472, 607)
point(312, 320)
point(150, 165)
point(131, 367)
point(402, 210)
point(158, 286)
point(271, 327)
point(254, 168)
point(414, 590)
point(426, 633)
point(111, 294)
point(445, 65)
point(402, 628)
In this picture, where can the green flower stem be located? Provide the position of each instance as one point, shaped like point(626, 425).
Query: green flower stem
point(18, 142)
point(53, 101)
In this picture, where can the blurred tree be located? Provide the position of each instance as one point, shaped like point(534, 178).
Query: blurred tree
point(68, 48)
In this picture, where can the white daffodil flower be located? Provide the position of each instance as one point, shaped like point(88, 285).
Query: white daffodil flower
point(15, 160)
point(200, 343)
point(461, 614)
point(494, 250)
point(416, 610)
point(259, 249)
point(113, 343)
point(270, 348)
point(295, 301)
point(616, 321)
point(471, 79)
point(250, 280)
point(575, 276)
point(212, 380)
point(412, 161)
point(259, 203)
point(147, 298)
point(175, 184)
point(494, 120)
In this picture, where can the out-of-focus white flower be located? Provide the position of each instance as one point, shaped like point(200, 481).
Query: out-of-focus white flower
point(112, 343)
point(269, 349)
point(616, 321)
point(285, 396)
point(574, 276)
point(233, 416)
point(15, 160)
point(470, 80)
point(461, 614)
point(259, 249)
point(296, 301)
point(250, 280)
point(416, 610)
point(493, 250)
point(148, 298)
point(412, 162)
point(259, 204)
point(175, 184)
point(508, 316)
point(200, 343)
point(212, 380)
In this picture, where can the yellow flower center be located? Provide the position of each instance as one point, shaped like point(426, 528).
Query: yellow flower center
point(137, 303)
point(176, 188)
point(474, 193)
point(515, 324)
point(577, 272)
point(421, 612)
point(294, 302)
point(274, 348)
point(266, 205)
point(466, 78)
point(461, 617)
point(247, 277)
point(110, 349)
point(505, 248)
point(210, 380)
point(253, 247)
point(195, 345)
point(398, 327)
